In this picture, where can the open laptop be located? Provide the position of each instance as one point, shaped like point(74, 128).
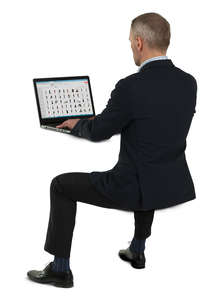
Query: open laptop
point(62, 98)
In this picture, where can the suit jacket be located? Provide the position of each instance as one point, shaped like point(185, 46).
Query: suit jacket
point(153, 111)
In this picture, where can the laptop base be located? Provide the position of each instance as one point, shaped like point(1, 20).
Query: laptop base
point(55, 128)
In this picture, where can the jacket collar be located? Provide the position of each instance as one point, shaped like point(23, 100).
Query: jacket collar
point(157, 63)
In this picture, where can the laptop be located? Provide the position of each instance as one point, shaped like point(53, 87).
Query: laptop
point(62, 98)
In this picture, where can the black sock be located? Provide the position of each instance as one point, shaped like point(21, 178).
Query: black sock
point(137, 245)
point(61, 264)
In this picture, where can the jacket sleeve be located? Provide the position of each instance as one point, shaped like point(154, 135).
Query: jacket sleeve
point(116, 115)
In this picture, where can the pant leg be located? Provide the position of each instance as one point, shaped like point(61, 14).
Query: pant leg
point(143, 223)
point(65, 190)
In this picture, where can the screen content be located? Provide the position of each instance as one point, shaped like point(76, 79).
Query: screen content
point(61, 98)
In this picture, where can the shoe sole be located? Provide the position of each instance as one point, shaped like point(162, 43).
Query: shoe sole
point(68, 285)
point(133, 264)
point(55, 283)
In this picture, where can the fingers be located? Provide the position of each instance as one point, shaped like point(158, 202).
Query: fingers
point(62, 125)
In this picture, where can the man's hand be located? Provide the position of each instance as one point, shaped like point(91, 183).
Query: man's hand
point(71, 123)
point(68, 123)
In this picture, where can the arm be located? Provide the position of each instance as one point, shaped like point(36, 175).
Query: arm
point(116, 115)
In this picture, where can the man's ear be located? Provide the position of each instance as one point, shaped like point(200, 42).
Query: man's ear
point(139, 42)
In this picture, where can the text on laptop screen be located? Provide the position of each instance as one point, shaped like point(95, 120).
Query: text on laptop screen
point(61, 98)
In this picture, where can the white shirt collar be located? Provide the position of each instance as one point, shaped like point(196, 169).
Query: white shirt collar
point(152, 59)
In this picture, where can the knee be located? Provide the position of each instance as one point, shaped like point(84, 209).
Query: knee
point(55, 184)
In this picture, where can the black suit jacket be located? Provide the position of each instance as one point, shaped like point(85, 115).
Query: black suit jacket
point(153, 110)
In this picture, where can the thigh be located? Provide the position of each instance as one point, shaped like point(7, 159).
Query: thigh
point(78, 187)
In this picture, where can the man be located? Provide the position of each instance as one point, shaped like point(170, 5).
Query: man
point(152, 109)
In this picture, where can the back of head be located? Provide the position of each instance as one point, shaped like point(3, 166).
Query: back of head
point(153, 29)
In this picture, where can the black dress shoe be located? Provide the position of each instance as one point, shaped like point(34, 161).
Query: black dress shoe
point(137, 260)
point(60, 279)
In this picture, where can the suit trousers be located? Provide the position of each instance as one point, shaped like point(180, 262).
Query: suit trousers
point(65, 190)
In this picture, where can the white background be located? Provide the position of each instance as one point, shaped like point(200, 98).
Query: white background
point(64, 38)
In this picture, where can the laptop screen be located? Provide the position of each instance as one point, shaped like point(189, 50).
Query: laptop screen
point(61, 98)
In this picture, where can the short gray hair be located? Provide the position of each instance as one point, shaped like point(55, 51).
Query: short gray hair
point(153, 29)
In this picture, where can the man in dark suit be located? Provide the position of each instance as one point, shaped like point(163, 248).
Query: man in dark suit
point(153, 110)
